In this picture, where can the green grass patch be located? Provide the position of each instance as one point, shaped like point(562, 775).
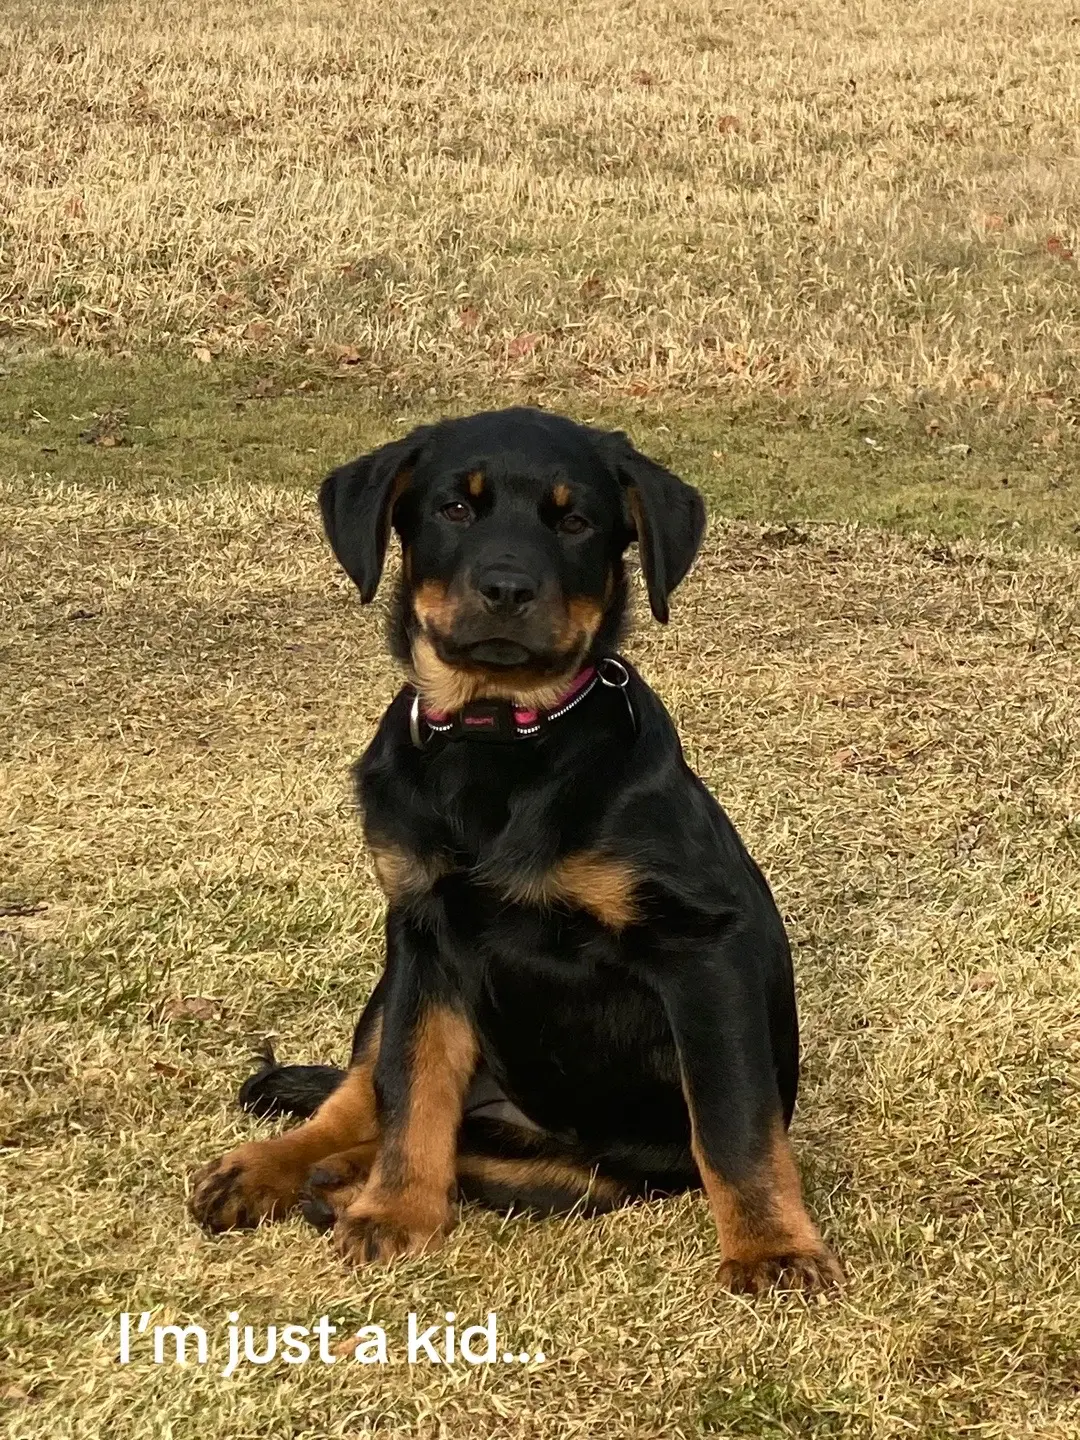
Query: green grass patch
point(157, 425)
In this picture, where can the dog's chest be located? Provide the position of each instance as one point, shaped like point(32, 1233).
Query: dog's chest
point(486, 827)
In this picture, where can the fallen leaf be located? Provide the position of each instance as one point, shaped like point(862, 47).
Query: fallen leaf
point(346, 1346)
point(522, 345)
point(987, 380)
point(984, 980)
point(639, 388)
point(258, 330)
point(846, 758)
point(993, 222)
point(191, 1007)
point(469, 317)
point(202, 354)
point(346, 354)
point(170, 1071)
point(106, 431)
point(1056, 246)
point(14, 1394)
point(729, 124)
point(591, 288)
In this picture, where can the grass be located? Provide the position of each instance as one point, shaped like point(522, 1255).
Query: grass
point(804, 254)
point(158, 424)
point(641, 197)
point(890, 721)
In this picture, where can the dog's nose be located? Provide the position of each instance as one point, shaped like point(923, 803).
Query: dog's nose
point(507, 592)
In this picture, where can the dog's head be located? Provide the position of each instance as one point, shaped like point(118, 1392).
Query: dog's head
point(513, 525)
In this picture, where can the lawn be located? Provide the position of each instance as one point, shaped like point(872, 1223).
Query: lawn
point(803, 254)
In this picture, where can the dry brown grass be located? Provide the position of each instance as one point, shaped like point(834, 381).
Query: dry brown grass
point(861, 198)
point(894, 728)
point(865, 197)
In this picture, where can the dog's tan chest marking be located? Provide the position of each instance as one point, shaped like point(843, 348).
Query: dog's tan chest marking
point(401, 873)
point(602, 885)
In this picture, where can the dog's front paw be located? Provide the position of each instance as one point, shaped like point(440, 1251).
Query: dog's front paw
point(385, 1228)
point(811, 1272)
point(242, 1188)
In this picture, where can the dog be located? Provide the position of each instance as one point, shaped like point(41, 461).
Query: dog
point(588, 996)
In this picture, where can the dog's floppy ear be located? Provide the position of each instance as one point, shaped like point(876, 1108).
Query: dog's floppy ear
point(668, 517)
point(357, 503)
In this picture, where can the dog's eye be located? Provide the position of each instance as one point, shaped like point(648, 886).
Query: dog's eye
point(458, 512)
point(573, 525)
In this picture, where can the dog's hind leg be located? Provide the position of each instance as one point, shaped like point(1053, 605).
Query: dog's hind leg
point(504, 1166)
point(504, 1162)
point(264, 1179)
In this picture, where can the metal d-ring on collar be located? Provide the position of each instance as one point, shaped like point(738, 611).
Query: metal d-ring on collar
point(414, 722)
point(609, 671)
point(614, 674)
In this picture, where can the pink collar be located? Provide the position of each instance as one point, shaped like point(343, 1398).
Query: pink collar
point(481, 716)
point(500, 719)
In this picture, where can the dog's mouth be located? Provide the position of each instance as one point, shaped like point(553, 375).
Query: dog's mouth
point(538, 645)
point(481, 643)
point(498, 654)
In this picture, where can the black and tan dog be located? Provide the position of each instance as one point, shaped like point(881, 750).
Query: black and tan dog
point(588, 993)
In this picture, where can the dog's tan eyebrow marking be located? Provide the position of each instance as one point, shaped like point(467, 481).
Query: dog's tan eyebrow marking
point(475, 482)
point(561, 494)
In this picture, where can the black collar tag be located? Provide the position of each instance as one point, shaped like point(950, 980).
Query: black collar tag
point(485, 720)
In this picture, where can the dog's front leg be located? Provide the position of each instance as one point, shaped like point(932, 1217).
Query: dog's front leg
point(715, 1000)
point(426, 1059)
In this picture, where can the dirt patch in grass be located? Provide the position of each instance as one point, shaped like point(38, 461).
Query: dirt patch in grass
point(892, 724)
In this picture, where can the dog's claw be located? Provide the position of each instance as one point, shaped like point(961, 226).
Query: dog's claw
point(812, 1273)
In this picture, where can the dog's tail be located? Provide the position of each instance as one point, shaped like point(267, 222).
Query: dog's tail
point(287, 1089)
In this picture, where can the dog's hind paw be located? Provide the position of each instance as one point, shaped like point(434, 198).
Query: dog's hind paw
point(243, 1188)
point(334, 1184)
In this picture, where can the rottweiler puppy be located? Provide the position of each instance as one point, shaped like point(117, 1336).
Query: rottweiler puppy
point(588, 995)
